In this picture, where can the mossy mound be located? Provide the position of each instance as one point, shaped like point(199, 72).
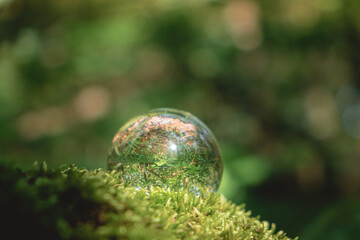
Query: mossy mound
point(73, 203)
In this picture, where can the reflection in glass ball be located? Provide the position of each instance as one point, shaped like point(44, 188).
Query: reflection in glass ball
point(167, 148)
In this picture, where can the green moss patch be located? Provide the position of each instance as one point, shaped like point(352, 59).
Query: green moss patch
point(73, 203)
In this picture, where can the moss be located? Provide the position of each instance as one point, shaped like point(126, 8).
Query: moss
point(73, 203)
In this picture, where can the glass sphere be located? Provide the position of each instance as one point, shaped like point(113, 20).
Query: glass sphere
point(167, 148)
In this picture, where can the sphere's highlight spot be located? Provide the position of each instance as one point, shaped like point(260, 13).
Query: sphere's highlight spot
point(167, 148)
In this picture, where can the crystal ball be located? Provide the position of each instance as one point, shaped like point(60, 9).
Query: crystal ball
point(167, 148)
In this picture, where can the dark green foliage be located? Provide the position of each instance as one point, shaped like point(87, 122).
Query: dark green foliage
point(73, 203)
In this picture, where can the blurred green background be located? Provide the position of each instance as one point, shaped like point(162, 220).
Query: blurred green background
point(278, 82)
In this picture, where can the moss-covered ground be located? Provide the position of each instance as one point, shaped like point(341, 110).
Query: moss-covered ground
point(73, 203)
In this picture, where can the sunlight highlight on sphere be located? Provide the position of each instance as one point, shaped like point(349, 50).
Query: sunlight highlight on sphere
point(173, 147)
point(167, 148)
